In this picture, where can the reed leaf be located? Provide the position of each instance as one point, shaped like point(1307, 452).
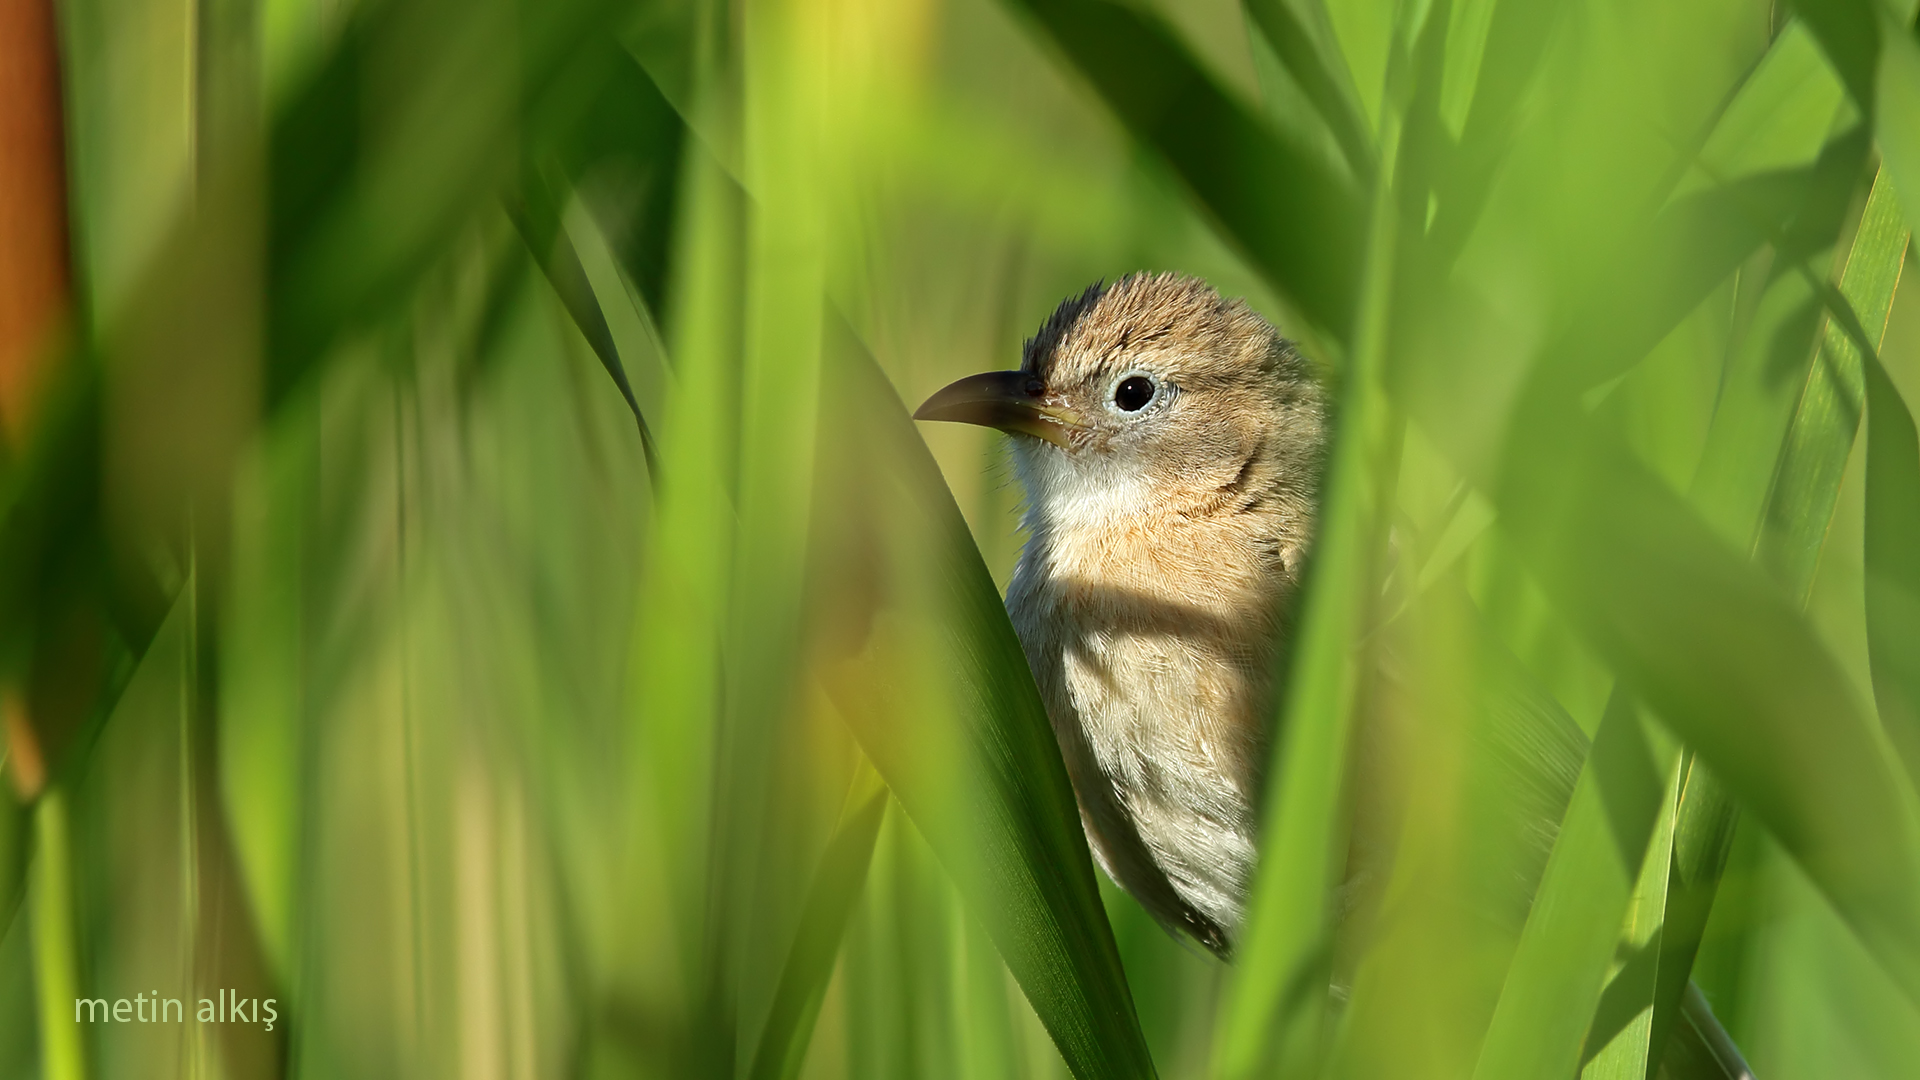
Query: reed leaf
point(1560, 969)
point(837, 883)
point(921, 660)
point(1893, 570)
point(1295, 220)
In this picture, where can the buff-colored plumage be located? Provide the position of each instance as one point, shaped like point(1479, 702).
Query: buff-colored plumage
point(1164, 548)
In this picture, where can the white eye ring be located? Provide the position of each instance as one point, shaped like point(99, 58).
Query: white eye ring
point(1136, 392)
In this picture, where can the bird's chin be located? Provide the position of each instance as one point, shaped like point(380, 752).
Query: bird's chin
point(1073, 490)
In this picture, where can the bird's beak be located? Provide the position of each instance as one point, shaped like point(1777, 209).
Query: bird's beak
point(1008, 400)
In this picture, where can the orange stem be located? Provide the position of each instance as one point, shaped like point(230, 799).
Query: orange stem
point(34, 267)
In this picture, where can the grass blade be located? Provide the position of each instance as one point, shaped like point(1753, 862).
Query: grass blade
point(1700, 1047)
point(1893, 562)
point(56, 962)
point(1516, 44)
point(1619, 1040)
point(1684, 252)
point(555, 254)
point(1558, 973)
point(1713, 648)
point(1274, 1013)
point(1789, 535)
point(1849, 33)
point(837, 883)
point(1296, 221)
point(1721, 656)
point(1807, 480)
point(1702, 837)
point(686, 579)
point(1303, 42)
point(919, 657)
point(1893, 476)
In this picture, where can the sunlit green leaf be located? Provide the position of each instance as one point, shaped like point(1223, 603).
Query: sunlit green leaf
point(1295, 220)
point(926, 669)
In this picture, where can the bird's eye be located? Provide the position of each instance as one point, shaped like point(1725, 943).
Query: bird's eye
point(1133, 393)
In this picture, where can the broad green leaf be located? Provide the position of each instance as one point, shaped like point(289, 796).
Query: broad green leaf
point(1711, 647)
point(1810, 460)
point(1722, 657)
point(916, 651)
point(1665, 269)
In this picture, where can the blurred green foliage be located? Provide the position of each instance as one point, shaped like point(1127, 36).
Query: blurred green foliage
point(500, 610)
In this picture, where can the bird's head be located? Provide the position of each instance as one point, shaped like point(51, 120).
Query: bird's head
point(1144, 395)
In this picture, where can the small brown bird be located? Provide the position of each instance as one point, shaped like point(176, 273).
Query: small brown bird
point(1171, 445)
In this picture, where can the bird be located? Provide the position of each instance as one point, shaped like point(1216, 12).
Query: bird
point(1170, 444)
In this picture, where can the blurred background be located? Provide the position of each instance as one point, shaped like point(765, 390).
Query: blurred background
point(467, 576)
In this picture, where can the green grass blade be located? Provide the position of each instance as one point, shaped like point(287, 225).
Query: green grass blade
point(1559, 971)
point(1806, 486)
point(1807, 481)
point(1702, 838)
point(1790, 533)
point(556, 256)
point(607, 132)
point(1893, 477)
point(1898, 121)
point(1517, 38)
point(1893, 562)
point(1704, 833)
point(1295, 220)
point(919, 657)
point(685, 582)
point(837, 883)
point(1619, 1040)
point(1273, 1017)
point(1781, 115)
point(1664, 270)
point(1711, 646)
point(1700, 1049)
point(1849, 33)
point(1302, 41)
point(358, 210)
point(1723, 658)
point(621, 154)
point(56, 954)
